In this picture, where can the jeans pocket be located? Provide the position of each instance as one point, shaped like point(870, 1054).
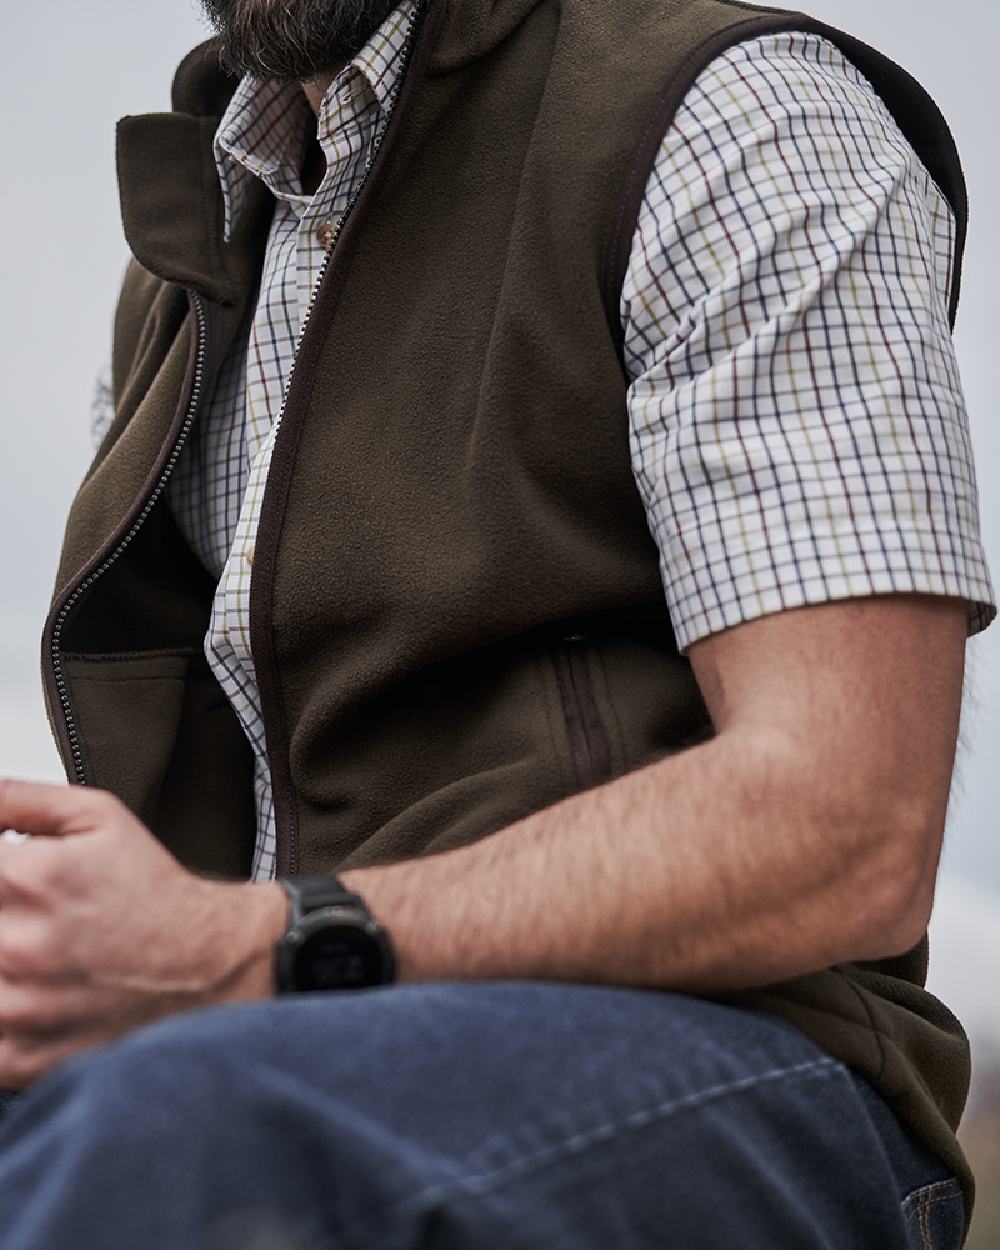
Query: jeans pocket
point(935, 1216)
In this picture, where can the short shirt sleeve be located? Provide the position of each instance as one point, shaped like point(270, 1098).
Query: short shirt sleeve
point(798, 428)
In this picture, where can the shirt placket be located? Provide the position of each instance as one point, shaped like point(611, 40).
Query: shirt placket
point(345, 135)
point(300, 237)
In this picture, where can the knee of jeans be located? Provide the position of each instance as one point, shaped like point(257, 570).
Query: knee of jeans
point(144, 1082)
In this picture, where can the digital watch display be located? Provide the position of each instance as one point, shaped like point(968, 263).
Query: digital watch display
point(332, 942)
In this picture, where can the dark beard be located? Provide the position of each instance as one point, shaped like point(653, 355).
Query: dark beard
point(293, 40)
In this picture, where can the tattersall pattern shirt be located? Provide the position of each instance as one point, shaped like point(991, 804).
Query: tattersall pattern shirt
point(797, 423)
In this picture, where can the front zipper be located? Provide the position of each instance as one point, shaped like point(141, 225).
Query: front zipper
point(369, 162)
point(74, 759)
point(264, 656)
point(588, 739)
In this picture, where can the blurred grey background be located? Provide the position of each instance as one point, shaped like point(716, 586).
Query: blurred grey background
point(72, 69)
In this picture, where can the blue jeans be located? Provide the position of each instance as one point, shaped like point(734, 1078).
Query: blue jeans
point(476, 1116)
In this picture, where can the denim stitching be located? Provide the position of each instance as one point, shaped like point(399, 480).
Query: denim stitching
point(927, 1194)
point(925, 1210)
point(920, 1203)
point(581, 1141)
point(638, 1119)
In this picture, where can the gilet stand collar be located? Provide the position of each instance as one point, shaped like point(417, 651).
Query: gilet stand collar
point(171, 201)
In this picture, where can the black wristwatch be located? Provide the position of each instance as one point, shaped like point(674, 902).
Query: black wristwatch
point(332, 942)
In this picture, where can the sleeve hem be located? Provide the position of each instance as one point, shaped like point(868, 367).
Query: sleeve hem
point(724, 613)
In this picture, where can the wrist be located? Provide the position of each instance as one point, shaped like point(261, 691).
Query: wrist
point(383, 893)
point(253, 916)
point(333, 941)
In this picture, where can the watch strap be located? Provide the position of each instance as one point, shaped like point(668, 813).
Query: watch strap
point(312, 896)
point(309, 894)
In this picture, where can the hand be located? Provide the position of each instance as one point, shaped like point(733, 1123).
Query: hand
point(102, 930)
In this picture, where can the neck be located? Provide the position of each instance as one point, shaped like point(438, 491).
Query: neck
point(314, 164)
point(316, 89)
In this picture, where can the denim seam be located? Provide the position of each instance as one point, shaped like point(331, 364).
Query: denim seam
point(921, 1201)
point(579, 1142)
point(927, 1194)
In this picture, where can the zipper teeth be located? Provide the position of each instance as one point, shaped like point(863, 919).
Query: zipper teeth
point(84, 586)
point(92, 577)
point(291, 832)
point(369, 161)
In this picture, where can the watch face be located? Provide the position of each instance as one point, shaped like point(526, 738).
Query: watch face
point(338, 957)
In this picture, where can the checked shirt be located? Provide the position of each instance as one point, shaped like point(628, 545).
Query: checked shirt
point(798, 429)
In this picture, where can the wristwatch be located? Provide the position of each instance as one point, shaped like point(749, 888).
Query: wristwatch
point(332, 942)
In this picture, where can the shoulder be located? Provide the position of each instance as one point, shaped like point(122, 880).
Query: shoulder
point(826, 90)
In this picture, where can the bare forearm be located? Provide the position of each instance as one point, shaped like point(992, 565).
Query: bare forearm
point(805, 834)
point(706, 871)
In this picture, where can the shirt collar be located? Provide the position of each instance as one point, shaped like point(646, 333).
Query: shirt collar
point(263, 131)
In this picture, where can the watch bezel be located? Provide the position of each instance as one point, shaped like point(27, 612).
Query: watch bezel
point(335, 916)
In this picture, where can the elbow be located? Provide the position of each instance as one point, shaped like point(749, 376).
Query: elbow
point(896, 886)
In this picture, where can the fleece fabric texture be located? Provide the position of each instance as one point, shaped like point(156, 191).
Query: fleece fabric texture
point(456, 603)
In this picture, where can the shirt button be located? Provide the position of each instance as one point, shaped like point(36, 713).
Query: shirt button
point(325, 233)
point(248, 556)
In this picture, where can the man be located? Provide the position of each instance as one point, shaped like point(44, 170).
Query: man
point(533, 485)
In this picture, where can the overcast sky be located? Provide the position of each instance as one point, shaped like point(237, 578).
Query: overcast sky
point(72, 69)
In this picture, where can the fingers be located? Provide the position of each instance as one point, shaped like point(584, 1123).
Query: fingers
point(48, 1013)
point(31, 950)
point(25, 1060)
point(39, 1009)
point(54, 811)
point(33, 872)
